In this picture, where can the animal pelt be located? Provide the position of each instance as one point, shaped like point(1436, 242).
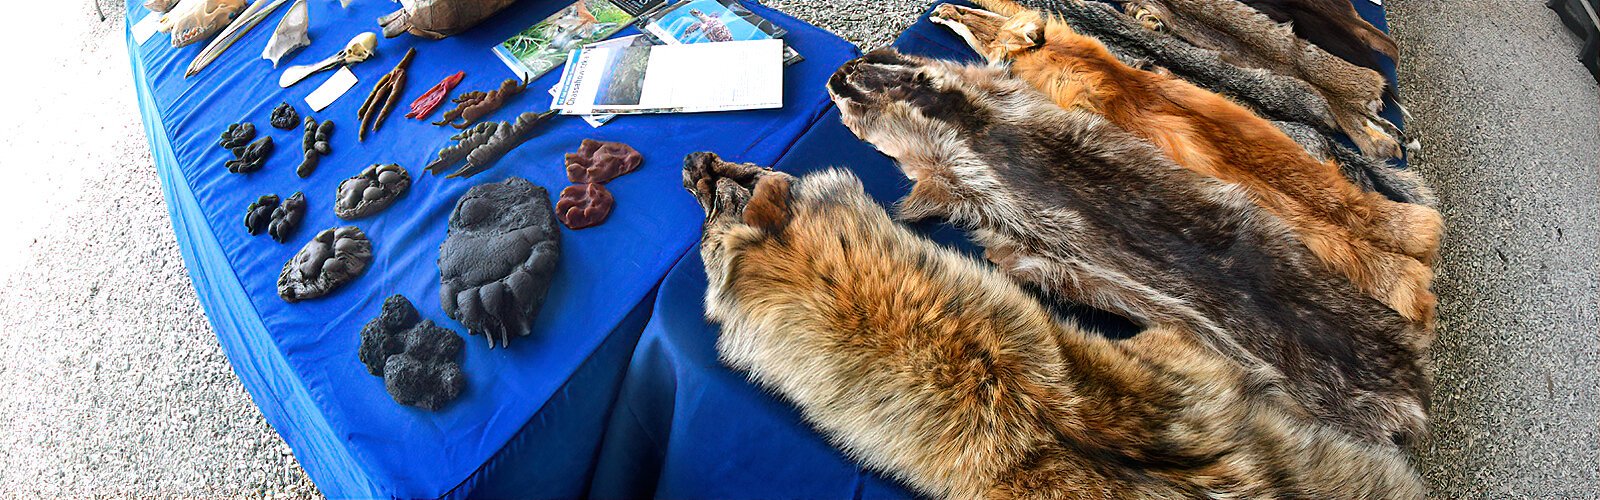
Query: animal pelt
point(1369, 174)
point(1271, 95)
point(938, 371)
point(1249, 38)
point(1380, 245)
point(1334, 26)
point(1065, 201)
point(1276, 96)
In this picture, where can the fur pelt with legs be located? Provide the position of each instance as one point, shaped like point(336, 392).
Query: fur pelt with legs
point(1064, 200)
point(1381, 245)
point(1334, 26)
point(1246, 37)
point(1270, 94)
point(1369, 174)
point(934, 369)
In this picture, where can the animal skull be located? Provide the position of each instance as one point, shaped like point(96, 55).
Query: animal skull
point(194, 20)
point(361, 48)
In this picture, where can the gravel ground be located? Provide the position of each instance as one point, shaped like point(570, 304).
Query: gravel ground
point(114, 385)
point(1511, 124)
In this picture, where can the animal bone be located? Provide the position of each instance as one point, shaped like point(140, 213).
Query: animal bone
point(436, 19)
point(334, 257)
point(370, 191)
point(416, 358)
point(496, 264)
point(194, 20)
point(360, 48)
point(247, 20)
point(291, 35)
point(385, 94)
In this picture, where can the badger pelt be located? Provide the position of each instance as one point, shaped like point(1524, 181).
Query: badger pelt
point(1380, 245)
point(1245, 37)
point(942, 373)
point(1065, 201)
point(1333, 26)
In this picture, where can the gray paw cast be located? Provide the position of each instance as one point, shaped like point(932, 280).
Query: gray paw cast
point(331, 259)
point(314, 143)
point(371, 191)
point(259, 214)
point(496, 264)
point(416, 358)
point(287, 217)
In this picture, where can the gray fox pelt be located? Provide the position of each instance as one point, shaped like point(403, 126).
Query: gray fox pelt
point(1066, 201)
point(1272, 95)
point(1246, 37)
point(942, 373)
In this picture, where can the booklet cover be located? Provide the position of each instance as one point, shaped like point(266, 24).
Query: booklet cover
point(596, 120)
point(544, 46)
point(673, 78)
point(705, 21)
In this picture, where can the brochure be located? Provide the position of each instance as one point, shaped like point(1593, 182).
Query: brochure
point(673, 78)
point(544, 46)
point(596, 120)
point(705, 21)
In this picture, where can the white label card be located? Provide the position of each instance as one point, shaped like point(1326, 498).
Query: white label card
point(331, 90)
point(146, 28)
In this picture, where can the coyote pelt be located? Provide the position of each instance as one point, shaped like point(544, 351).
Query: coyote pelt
point(1334, 26)
point(1381, 245)
point(936, 370)
point(1246, 37)
point(1066, 201)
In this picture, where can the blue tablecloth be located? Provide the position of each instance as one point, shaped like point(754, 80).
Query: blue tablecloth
point(529, 422)
point(587, 405)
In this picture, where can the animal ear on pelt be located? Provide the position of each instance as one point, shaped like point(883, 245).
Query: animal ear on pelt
point(1023, 31)
point(768, 209)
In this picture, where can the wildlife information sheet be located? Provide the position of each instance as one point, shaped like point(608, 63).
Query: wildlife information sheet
point(673, 78)
point(544, 46)
point(710, 21)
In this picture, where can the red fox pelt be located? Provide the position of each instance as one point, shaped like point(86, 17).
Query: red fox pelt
point(1381, 245)
point(938, 371)
point(1066, 201)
